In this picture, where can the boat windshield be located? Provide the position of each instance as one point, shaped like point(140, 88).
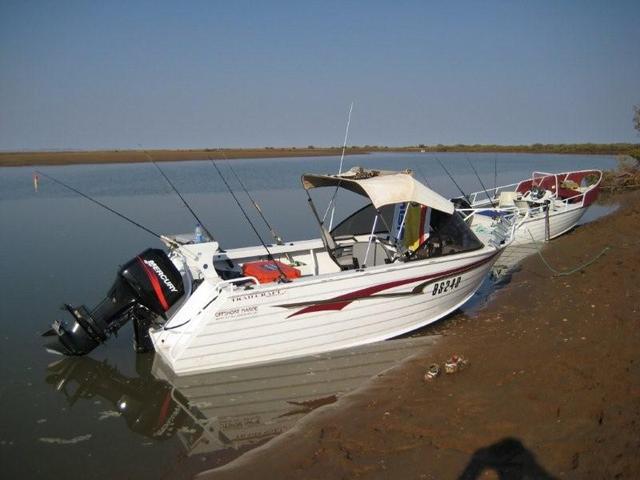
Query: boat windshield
point(448, 234)
point(439, 233)
point(360, 222)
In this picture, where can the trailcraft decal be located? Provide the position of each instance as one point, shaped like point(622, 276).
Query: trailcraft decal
point(257, 295)
point(338, 303)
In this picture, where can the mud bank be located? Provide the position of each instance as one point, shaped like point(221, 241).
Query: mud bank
point(552, 389)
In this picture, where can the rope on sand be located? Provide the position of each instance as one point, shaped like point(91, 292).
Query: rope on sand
point(558, 273)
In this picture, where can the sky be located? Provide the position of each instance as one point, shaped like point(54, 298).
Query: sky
point(176, 74)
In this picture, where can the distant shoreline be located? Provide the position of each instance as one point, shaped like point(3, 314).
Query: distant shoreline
point(21, 159)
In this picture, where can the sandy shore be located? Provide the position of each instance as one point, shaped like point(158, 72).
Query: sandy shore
point(552, 390)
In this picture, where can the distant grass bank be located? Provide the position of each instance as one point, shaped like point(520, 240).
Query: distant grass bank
point(19, 159)
point(15, 159)
point(568, 148)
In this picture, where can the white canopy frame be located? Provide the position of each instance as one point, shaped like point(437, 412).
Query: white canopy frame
point(382, 188)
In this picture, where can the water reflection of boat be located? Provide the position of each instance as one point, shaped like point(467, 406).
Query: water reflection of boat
point(546, 205)
point(232, 409)
point(401, 262)
point(146, 404)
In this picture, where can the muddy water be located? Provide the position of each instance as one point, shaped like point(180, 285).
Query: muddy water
point(114, 415)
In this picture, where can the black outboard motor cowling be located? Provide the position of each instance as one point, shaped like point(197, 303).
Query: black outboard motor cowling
point(145, 288)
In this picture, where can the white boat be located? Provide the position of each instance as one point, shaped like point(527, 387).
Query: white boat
point(404, 260)
point(546, 205)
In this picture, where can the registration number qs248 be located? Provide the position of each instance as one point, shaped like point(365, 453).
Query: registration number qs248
point(445, 285)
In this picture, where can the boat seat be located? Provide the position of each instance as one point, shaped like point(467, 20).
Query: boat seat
point(378, 254)
point(343, 256)
point(506, 199)
point(573, 195)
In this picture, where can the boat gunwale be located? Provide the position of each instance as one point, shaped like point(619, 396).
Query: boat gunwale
point(308, 280)
point(489, 200)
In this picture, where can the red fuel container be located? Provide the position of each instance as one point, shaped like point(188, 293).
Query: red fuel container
point(266, 271)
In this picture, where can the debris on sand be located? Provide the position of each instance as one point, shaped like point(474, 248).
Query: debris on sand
point(432, 372)
point(455, 364)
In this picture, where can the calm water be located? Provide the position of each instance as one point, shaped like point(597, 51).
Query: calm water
point(69, 421)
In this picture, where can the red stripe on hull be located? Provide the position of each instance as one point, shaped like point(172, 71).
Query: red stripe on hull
point(342, 301)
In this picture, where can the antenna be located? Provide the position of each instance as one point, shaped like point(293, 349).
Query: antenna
point(419, 170)
point(283, 277)
point(346, 134)
point(332, 205)
point(480, 180)
point(179, 195)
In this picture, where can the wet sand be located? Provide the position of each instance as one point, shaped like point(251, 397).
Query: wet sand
point(552, 389)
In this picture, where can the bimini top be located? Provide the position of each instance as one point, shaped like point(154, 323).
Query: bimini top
point(382, 187)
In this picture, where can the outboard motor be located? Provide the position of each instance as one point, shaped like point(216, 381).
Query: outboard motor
point(145, 288)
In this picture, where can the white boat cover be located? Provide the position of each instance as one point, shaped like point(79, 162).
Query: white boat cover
point(382, 187)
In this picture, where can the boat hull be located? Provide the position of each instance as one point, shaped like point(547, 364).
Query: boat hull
point(279, 321)
point(534, 230)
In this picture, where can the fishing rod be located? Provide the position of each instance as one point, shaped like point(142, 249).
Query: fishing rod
point(283, 277)
point(275, 236)
point(124, 217)
point(452, 179)
point(480, 180)
point(495, 173)
point(180, 196)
